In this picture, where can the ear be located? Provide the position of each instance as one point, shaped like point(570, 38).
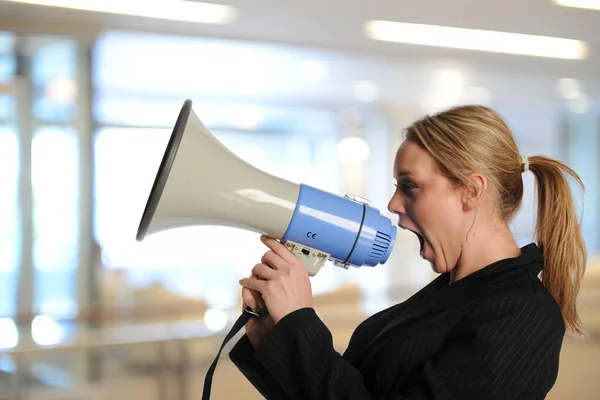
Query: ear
point(473, 193)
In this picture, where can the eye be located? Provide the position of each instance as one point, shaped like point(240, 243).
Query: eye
point(406, 187)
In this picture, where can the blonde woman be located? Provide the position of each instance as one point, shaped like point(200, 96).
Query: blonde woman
point(490, 326)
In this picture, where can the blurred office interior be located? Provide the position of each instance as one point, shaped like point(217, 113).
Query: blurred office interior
point(315, 92)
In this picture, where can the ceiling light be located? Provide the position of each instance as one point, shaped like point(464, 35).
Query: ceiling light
point(471, 39)
point(588, 4)
point(177, 10)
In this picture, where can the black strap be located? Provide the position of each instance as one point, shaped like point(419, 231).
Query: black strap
point(239, 324)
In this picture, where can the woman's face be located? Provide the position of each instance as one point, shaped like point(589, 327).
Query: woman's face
point(430, 205)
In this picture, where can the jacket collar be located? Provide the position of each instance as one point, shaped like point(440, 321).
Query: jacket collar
point(531, 258)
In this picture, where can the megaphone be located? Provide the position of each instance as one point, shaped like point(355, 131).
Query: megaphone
point(201, 182)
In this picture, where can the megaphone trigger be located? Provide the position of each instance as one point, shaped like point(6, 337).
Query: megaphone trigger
point(312, 259)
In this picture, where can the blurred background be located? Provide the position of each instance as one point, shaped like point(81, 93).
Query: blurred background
point(315, 92)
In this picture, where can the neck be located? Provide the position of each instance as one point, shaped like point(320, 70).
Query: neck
point(484, 246)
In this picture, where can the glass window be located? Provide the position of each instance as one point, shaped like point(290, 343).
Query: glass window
point(9, 228)
point(55, 184)
point(7, 69)
point(7, 60)
point(9, 182)
point(54, 74)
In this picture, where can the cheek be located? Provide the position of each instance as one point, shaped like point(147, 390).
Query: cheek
point(439, 213)
point(454, 216)
point(426, 213)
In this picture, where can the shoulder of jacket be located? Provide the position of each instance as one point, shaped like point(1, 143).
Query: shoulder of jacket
point(519, 303)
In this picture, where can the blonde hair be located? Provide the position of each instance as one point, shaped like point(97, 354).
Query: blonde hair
point(467, 139)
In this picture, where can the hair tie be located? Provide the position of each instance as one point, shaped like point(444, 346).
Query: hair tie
point(524, 163)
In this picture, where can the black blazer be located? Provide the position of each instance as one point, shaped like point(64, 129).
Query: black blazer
point(495, 334)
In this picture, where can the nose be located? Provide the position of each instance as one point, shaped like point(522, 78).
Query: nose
point(396, 204)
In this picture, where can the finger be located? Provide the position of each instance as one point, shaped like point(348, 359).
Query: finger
point(263, 271)
point(273, 260)
point(249, 298)
point(253, 283)
point(260, 303)
point(278, 249)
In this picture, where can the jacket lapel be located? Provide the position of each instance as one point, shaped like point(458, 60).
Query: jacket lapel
point(438, 300)
point(369, 330)
point(414, 316)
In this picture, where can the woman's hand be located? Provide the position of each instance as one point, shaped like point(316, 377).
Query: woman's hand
point(282, 281)
point(256, 328)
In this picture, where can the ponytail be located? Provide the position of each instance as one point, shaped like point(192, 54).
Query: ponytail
point(558, 235)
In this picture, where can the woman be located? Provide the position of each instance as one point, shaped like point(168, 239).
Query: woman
point(489, 327)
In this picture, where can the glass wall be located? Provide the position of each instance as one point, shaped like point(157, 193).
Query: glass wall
point(9, 228)
point(9, 182)
point(54, 176)
point(39, 164)
point(55, 183)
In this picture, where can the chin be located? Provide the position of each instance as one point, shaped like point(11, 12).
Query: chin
point(433, 267)
point(436, 268)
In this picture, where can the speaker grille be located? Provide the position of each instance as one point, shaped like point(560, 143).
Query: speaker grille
point(380, 246)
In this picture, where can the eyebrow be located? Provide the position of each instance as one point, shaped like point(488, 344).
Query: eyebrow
point(402, 174)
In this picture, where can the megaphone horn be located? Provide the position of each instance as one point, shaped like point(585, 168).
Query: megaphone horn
point(201, 182)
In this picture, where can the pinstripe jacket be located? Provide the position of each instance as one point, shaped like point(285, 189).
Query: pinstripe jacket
point(495, 334)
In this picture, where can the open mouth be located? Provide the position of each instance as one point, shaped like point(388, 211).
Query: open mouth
point(421, 240)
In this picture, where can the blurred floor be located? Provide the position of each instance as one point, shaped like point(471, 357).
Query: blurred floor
point(579, 376)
